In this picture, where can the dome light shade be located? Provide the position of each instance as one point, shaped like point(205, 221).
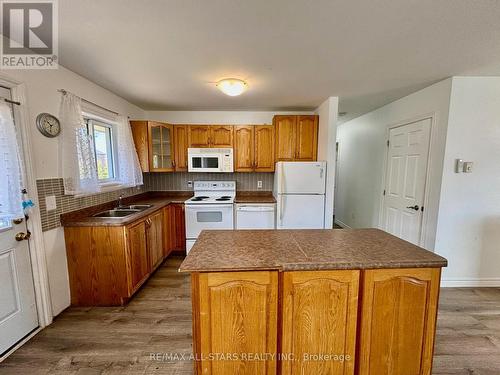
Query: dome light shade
point(232, 86)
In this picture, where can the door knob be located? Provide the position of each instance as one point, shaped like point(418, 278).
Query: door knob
point(416, 207)
point(23, 236)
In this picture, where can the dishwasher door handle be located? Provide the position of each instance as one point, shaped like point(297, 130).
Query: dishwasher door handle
point(255, 209)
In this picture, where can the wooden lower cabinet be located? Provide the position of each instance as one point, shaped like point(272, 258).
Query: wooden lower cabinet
point(382, 322)
point(319, 317)
point(137, 256)
point(236, 313)
point(398, 321)
point(108, 264)
point(154, 238)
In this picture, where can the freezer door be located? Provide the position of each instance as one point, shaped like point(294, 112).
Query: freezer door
point(300, 211)
point(300, 177)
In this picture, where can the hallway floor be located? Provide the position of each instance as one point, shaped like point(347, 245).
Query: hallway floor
point(125, 340)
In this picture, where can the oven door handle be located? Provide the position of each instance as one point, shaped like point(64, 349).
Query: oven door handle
point(207, 207)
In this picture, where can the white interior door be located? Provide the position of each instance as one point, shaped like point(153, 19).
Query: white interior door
point(405, 180)
point(18, 315)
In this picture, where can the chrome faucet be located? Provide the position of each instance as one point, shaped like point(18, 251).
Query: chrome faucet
point(120, 201)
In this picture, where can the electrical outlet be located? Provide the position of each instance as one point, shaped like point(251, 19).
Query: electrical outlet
point(259, 184)
point(190, 183)
point(50, 203)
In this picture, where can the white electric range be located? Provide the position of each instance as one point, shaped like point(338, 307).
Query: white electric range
point(211, 207)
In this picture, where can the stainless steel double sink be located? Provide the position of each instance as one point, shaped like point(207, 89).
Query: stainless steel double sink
point(123, 211)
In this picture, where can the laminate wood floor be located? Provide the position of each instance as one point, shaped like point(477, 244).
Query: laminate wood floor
point(124, 340)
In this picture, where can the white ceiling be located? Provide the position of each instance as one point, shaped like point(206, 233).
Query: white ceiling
point(164, 54)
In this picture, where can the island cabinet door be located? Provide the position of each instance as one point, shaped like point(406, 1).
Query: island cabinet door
point(398, 321)
point(237, 317)
point(319, 322)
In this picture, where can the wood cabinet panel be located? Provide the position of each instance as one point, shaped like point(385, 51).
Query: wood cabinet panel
point(307, 138)
point(244, 148)
point(199, 136)
point(154, 232)
point(399, 309)
point(140, 135)
point(96, 265)
point(137, 259)
point(161, 147)
point(180, 148)
point(264, 148)
point(247, 304)
point(178, 227)
point(221, 136)
point(286, 137)
point(319, 318)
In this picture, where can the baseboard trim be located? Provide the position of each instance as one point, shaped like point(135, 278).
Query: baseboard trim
point(493, 282)
point(341, 224)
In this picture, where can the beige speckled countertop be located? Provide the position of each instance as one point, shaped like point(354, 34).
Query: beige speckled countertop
point(85, 218)
point(289, 250)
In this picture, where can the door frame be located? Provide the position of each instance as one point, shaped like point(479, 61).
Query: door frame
point(36, 243)
point(425, 215)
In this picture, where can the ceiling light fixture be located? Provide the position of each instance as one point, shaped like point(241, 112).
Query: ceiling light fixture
point(232, 86)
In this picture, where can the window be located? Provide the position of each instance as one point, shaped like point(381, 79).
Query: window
point(102, 136)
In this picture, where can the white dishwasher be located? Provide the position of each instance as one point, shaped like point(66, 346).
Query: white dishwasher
point(255, 215)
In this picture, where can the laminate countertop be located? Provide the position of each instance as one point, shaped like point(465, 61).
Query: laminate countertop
point(254, 197)
point(293, 250)
point(85, 218)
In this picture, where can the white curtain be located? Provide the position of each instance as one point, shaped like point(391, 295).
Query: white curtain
point(10, 168)
point(77, 159)
point(129, 169)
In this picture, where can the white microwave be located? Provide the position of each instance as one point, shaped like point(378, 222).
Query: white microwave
point(210, 160)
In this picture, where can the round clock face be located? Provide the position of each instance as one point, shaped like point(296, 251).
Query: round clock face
point(48, 125)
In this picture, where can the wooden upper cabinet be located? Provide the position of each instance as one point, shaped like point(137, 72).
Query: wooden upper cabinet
point(286, 135)
point(244, 146)
point(264, 148)
point(319, 317)
point(154, 233)
point(221, 136)
point(307, 138)
point(137, 256)
point(140, 135)
point(199, 136)
point(180, 147)
point(296, 137)
point(398, 321)
point(161, 147)
point(242, 307)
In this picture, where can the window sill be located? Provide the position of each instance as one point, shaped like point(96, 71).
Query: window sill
point(107, 187)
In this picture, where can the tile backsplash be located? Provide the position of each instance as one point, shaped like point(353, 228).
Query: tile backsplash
point(152, 182)
point(68, 203)
point(179, 181)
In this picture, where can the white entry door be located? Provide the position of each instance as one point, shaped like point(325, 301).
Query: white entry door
point(405, 180)
point(18, 315)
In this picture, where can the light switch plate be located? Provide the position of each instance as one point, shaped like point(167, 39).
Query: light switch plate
point(50, 203)
point(459, 166)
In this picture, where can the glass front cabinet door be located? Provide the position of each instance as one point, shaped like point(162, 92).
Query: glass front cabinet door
point(161, 148)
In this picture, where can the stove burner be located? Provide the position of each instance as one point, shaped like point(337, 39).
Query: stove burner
point(199, 198)
point(223, 199)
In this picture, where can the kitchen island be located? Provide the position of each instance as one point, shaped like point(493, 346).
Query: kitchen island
point(312, 302)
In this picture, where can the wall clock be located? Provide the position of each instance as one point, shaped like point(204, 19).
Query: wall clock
point(48, 125)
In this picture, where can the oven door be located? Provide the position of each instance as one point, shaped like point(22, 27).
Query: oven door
point(205, 163)
point(201, 217)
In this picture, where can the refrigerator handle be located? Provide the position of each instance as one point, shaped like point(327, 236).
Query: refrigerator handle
point(321, 171)
point(281, 209)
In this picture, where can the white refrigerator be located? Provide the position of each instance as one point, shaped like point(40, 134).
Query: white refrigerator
point(299, 189)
